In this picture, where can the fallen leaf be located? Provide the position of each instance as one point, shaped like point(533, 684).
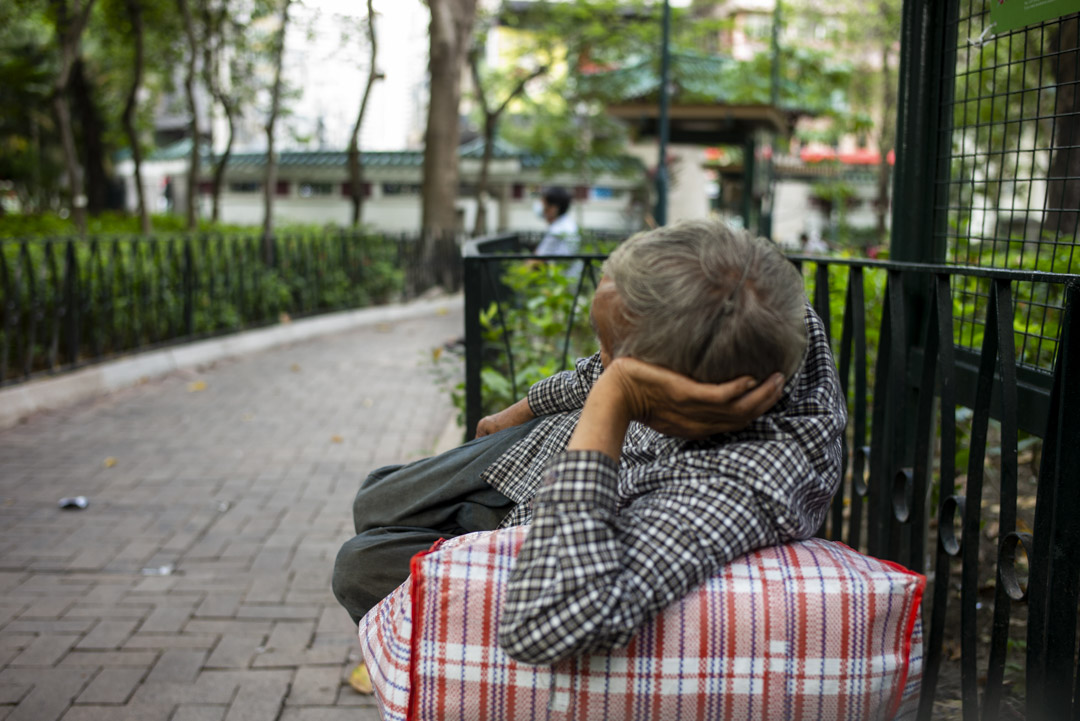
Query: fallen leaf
point(436, 354)
point(247, 417)
point(336, 439)
point(442, 310)
point(196, 386)
point(360, 680)
point(284, 318)
point(110, 462)
point(383, 327)
point(295, 367)
point(368, 403)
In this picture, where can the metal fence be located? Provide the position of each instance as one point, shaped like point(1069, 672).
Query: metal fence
point(990, 496)
point(67, 302)
point(988, 170)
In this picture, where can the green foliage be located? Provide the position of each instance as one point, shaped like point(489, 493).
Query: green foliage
point(130, 292)
point(534, 325)
point(1037, 306)
point(111, 223)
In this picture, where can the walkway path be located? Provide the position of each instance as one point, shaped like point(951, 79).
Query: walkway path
point(196, 584)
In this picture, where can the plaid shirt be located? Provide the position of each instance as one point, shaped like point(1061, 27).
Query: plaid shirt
point(612, 544)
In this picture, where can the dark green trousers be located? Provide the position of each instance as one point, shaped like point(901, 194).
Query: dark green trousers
point(402, 510)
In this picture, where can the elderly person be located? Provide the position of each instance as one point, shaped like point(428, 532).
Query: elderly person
point(708, 425)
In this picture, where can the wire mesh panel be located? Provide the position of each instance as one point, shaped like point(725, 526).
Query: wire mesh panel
point(1009, 171)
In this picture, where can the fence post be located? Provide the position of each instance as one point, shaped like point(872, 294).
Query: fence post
point(189, 289)
point(1054, 580)
point(473, 337)
point(71, 300)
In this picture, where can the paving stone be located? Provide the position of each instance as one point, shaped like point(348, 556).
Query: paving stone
point(260, 697)
point(107, 634)
point(53, 692)
point(219, 605)
point(266, 591)
point(315, 686)
point(131, 712)
point(40, 626)
point(202, 712)
point(46, 650)
point(234, 651)
point(112, 685)
point(277, 612)
point(12, 693)
point(163, 641)
point(330, 714)
point(139, 659)
point(178, 666)
point(167, 620)
point(316, 656)
point(249, 625)
point(46, 608)
point(290, 636)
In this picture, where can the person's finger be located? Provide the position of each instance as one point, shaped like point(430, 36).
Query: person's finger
point(762, 398)
point(728, 391)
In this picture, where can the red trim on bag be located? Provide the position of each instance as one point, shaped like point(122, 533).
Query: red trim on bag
point(909, 624)
point(415, 583)
point(909, 628)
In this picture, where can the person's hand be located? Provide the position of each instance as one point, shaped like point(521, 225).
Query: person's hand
point(515, 415)
point(676, 405)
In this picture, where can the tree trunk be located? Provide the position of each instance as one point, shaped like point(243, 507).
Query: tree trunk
point(189, 90)
point(223, 161)
point(214, 23)
point(450, 33)
point(1063, 190)
point(480, 227)
point(491, 125)
point(490, 120)
point(356, 163)
point(89, 138)
point(134, 8)
point(270, 181)
point(69, 29)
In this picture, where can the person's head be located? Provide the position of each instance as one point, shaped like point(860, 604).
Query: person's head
point(556, 202)
point(704, 300)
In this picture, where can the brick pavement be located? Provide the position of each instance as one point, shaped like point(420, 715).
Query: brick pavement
point(196, 585)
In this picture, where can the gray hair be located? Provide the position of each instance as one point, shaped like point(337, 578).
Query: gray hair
point(708, 301)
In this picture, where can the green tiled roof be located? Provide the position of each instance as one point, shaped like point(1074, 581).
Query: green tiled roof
point(621, 165)
point(708, 79)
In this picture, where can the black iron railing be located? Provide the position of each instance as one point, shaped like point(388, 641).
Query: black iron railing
point(66, 302)
point(941, 450)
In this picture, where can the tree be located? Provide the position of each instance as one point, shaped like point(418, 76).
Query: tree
point(69, 23)
point(1063, 188)
point(490, 125)
point(190, 73)
point(225, 40)
point(450, 34)
point(270, 179)
point(134, 8)
point(356, 166)
point(29, 153)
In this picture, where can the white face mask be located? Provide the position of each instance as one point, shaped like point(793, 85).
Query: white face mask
point(538, 209)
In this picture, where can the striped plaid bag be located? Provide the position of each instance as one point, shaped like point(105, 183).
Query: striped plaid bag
point(808, 630)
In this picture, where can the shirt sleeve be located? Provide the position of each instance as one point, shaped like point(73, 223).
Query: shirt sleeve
point(565, 391)
point(590, 574)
